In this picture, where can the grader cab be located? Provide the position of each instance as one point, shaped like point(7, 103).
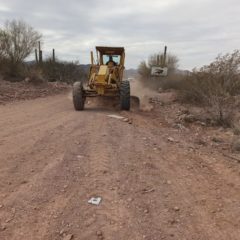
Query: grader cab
point(105, 78)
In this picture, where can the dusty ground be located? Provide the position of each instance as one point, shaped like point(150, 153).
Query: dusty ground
point(158, 179)
point(12, 91)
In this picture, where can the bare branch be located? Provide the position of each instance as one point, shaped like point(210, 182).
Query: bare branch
point(20, 40)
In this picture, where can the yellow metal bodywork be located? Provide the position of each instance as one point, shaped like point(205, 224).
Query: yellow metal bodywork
point(105, 79)
point(103, 70)
point(100, 79)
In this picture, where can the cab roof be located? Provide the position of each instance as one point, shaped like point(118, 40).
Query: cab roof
point(110, 50)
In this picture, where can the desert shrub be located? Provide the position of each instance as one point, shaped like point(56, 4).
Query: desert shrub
point(18, 40)
point(3, 44)
point(171, 61)
point(34, 74)
point(172, 81)
point(3, 59)
point(4, 66)
point(214, 86)
point(62, 71)
point(144, 70)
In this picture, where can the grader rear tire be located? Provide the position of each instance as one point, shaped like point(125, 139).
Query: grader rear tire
point(78, 96)
point(125, 95)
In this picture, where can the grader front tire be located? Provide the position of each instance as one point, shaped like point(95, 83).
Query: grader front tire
point(78, 96)
point(125, 95)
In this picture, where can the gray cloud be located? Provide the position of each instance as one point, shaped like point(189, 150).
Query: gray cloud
point(196, 31)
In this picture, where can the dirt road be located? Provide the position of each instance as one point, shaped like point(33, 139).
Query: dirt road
point(156, 181)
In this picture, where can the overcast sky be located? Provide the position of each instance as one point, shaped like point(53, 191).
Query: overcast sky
point(195, 30)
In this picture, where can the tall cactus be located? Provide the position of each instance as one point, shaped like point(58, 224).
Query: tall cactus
point(53, 55)
point(36, 56)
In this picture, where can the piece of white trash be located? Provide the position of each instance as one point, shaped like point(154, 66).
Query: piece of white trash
point(95, 201)
point(115, 116)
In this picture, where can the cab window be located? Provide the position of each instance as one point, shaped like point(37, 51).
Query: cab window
point(115, 58)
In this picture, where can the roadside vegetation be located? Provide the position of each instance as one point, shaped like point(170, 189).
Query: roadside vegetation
point(18, 41)
point(214, 87)
point(144, 70)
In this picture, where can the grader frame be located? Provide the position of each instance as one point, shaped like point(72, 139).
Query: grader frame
point(105, 78)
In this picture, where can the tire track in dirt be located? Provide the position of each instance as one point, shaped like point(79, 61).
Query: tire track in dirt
point(53, 160)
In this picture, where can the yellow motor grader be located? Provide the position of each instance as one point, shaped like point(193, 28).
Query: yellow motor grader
point(105, 78)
